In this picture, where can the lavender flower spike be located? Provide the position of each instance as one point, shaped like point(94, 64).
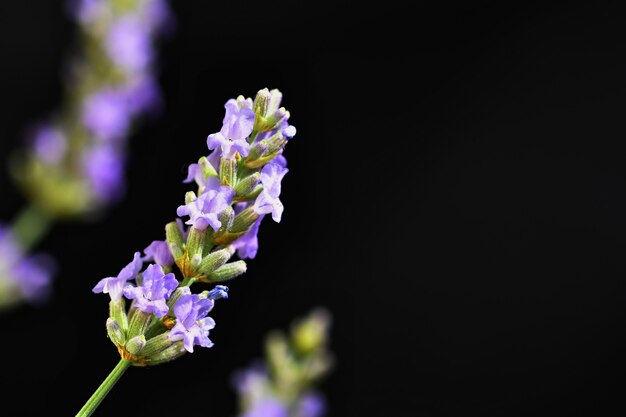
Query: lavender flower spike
point(192, 325)
point(237, 185)
point(114, 286)
point(300, 356)
point(236, 127)
point(155, 289)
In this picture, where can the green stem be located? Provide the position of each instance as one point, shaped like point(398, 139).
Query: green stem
point(96, 398)
point(30, 225)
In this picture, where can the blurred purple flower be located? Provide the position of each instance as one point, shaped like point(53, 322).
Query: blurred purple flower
point(311, 405)
point(104, 169)
point(49, 144)
point(32, 275)
point(128, 44)
point(106, 114)
point(267, 407)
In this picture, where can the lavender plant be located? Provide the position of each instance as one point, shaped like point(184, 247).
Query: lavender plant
point(238, 183)
point(73, 166)
point(283, 384)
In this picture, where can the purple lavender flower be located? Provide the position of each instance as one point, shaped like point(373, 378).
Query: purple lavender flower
point(204, 211)
point(155, 289)
point(194, 173)
point(104, 169)
point(236, 127)
point(267, 407)
point(49, 144)
point(128, 44)
point(114, 286)
point(159, 252)
point(268, 202)
point(192, 324)
point(248, 244)
point(31, 276)
point(311, 405)
point(106, 115)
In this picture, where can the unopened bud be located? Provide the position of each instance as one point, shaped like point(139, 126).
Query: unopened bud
point(228, 171)
point(226, 272)
point(136, 344)
point(247, 184)
point(174, 238)
point(115, 332)
point(214, 260)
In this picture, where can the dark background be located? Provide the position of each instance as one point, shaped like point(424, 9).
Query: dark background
point(456, 198)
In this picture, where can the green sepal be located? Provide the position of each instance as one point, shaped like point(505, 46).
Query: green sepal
point(174, 238)
point(156, 345)
point(228, 171)
point(206, 167)
point(138, 323)
point(190, 196)
point(257, 150)
point(195, 242)
point(258, 163)
point(117, 311)
point(244, 220)
point(175, 351)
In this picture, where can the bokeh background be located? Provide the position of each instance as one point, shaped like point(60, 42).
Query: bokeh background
point(456, 198)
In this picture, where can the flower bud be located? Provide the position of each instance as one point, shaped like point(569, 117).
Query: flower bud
point(117, 311)
point(195, 242)
point(190, 196)
point(174, 238)
point(228, 172)
point(136, 344)
point(257, 150)
point(214, 260)
point(310, 335)
point(207, 169)
point(138, 323)
point(246, 185)
point(156, 345)
point(226, 272)
point(244, 220)
point(115, 332)
point(174, 351)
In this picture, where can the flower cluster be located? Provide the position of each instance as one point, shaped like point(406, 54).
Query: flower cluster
point(281, 386)
point(239, 182)
point(75, 164)
point(21, 277)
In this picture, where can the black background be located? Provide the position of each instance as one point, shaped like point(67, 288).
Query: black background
point(456, 197)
